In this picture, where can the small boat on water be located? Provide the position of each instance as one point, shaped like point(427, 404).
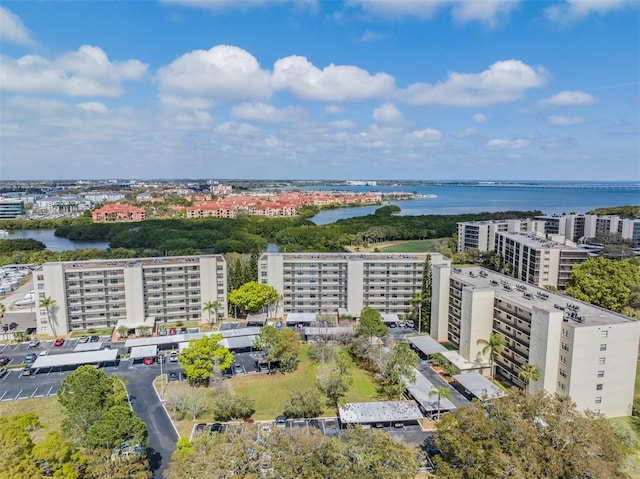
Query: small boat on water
point(4, 234)
point(426, 195)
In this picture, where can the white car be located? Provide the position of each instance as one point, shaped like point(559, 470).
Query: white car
point(173, 357)
point(43, 353)
point(33, 343)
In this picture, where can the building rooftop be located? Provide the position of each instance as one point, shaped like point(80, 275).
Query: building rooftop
point(350, 256)
point(537, 241)
point(124, 263)
point(526, 295)
point(386, 411)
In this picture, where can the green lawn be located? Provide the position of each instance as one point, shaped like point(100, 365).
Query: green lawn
point(420, 246)
point(48, 410)
point(271, 391)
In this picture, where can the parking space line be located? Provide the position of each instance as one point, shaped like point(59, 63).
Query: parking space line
point(17, 395)
point(2, 397)
point(34, 392)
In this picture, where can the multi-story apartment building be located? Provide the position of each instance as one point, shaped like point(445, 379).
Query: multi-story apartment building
point(101, 293)
point(325, 283)
point(537, 259)
point(11, 208)
point(581, 351)
point(118, 212)
point(481, 235)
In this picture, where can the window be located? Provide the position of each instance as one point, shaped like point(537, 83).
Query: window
point(603, 347)
point(40, 277)
point(601, 360)
point(600, 374)
point(604, 333)
point(598, 387)
point(41, 286)
point(598, 399)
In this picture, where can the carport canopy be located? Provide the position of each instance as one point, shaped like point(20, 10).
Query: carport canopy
point(388, 318)
point(422, 390)
point(144, 352)
point(460, 362)
point(82, 347)
point(383, 411)
point(243, 342)
point(75, 359)
point(479, 386)
point(301, 317)
point(426, 345)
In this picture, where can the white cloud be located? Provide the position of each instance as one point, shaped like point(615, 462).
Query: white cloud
point(565, 120)
point(568, 98)
point(574, 10)
point(388, 113)
point(235, 129)
point(333, 83)
point(502, 82)
point(486, 12)
point(87, 72)
point(222, 6)
point(93, 107)
point(428, 135)
point(222, 73)
point(343, 125)
point(499, 143)
point(264, 113)
point(467, 132)
point(369, 36)
point(333, 109)
point(12, 30)
point(479, 118)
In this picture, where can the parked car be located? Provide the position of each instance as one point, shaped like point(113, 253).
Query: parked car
point(83, 339)
point(410, 324)
point(3, 371)
point(173, 356)
point(28, 371)
point(30, 358)
point(58, 342)
point(34, 343)
point(4, 360)
point(162, 331)
point(173, 376)
point(94, 339)
point(173, 331)
point(281, 421)
point(148, 361)
point(238, 369)
point(44, 352)
point(183, 330)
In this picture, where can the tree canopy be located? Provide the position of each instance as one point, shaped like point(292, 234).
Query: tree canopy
point(529, 436)
point(254, 296)
point(370, 323)
point(399, 365)
point(604, 282)
point(250, 453)
point(203, 357)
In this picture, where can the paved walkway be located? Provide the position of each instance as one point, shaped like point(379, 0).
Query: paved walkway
point(457, 398)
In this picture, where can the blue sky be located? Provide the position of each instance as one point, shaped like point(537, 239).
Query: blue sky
point(308, 89)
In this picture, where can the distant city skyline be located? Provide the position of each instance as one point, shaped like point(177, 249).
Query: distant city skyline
point(309, 89)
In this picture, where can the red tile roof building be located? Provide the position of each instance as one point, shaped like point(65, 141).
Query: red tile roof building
point(118, 212)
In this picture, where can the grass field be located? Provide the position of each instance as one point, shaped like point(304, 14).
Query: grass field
point(48, 410)
point(419, 246)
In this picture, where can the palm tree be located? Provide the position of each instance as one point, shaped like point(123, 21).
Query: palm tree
point(528, 373)
point(48, 303)
point(443, 392)
point(494, 346)
point(209, 307)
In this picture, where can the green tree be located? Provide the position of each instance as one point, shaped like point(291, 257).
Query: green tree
point(303, 403)
point(443, 392)
point(85, 395)
point(494, 346)
point(254, 296)
point(529, 436)
point(48, 304)
point(424, 321)
point(334, 381)
point(400, 366)
point(604, 282)
point(203, 357)
point(282, 346)
point(104, 463)
point(528, 373)
point(370, 323)
point(212, 307)
point(122, 331)
point(229, 407)
point(117, 425)
point(56, 457)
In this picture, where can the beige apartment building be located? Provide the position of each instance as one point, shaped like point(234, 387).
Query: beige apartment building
point(539, 259)
point(102, 293)
point(582, 351)
point(481, 235)
point(328, 283)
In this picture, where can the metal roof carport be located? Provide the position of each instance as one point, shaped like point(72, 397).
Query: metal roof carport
point(83, 347)
point(301, 317)
point(420, 389)
point(143, 352)
point(75, 359)
point(384, 411)
point(426, 345)
point(243, 342)
point(175, 339)
point(461, 363)
point(479, 386)
point(337, 331)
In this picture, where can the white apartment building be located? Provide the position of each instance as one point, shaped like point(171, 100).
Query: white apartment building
point(537, 259)
point(582, 351)
point(63, 204)
point(143, 291)
point(481, 235)
point(328, 283)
